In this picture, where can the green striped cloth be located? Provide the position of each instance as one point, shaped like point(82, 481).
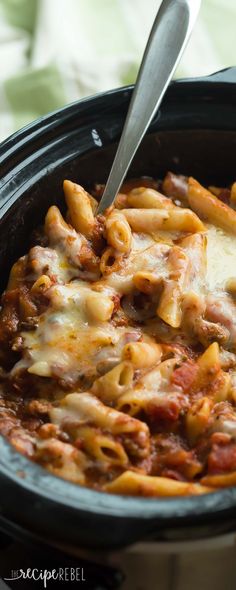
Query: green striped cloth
point(55, 51)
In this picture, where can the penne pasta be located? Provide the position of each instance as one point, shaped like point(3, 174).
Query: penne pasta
point(150, 392)
point(170, 304)
point(142, 354)
point(222, 387)
point(110, 386)
point(63, 460)
point(147, 282)
point(100, 446)
point(80, 206)
point(99, 307)
point(148, 198)
point(111, 261)
point(195, 247)
point(197, 419)
point(118, 232)
point(134, 484)
point(154, 220)
point(42, 284)
point(208, 364)
point(85, 407)
point(55, 226)
point(210, 208)
point(176, 187)
point(134, 401)
point(223, 480)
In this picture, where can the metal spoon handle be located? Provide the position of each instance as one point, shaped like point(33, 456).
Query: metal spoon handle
point(169, 35)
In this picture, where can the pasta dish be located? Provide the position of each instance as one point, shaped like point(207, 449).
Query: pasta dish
point(118, 340)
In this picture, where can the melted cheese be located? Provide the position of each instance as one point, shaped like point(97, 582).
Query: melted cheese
point(67, 341)
point(221, 257)
point(53, 262)
point(70, 340)
point(152, 259)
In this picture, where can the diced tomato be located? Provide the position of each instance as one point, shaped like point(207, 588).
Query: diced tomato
point(222, 459)
point(164, 412)
point(185, 375)
point(221, 438)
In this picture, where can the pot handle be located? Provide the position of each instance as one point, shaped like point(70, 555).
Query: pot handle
point(226, 76)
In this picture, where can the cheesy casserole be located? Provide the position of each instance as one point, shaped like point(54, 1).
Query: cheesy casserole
point(118, 340)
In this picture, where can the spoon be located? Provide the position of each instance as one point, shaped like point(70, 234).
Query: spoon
point(170, 33)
